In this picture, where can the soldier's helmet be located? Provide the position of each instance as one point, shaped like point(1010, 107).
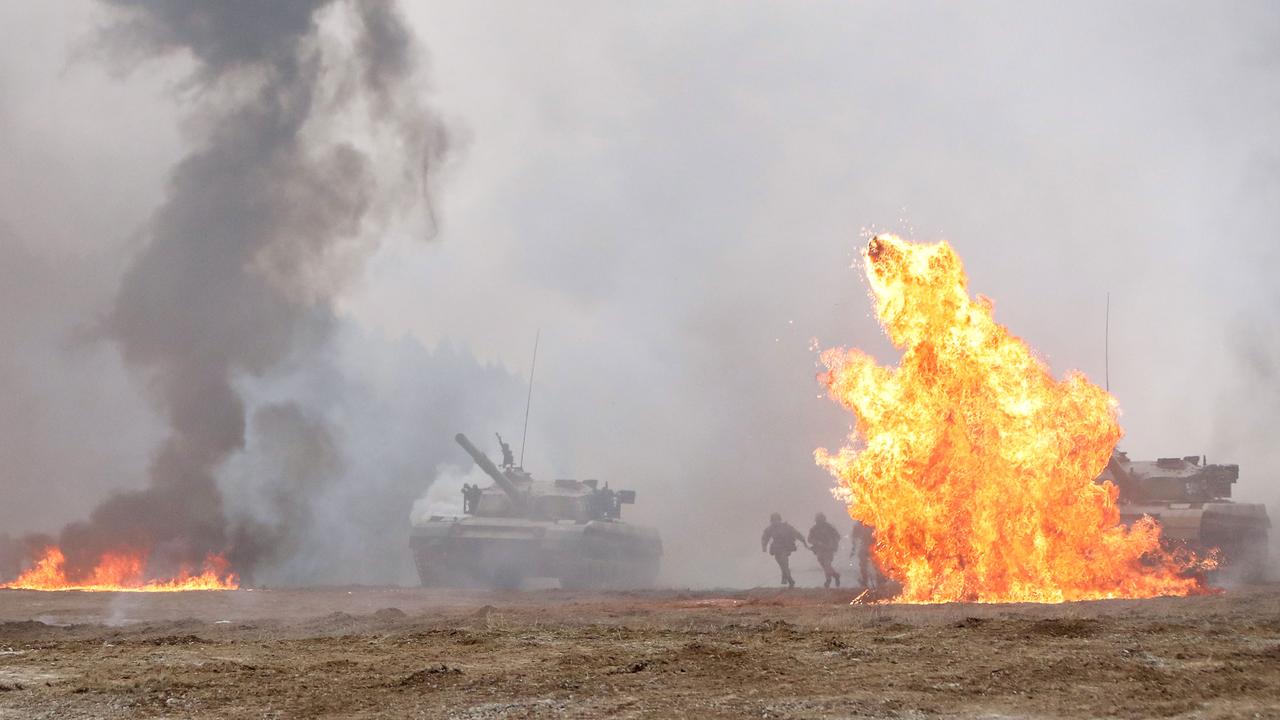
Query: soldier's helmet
point(819, 518)
point(775, 518)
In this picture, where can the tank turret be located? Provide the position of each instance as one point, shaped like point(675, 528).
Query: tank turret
point(1190, 498)
point(1173, 480)
point(520, 527)
point(501, 480)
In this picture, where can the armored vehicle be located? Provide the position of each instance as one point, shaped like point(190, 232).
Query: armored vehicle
point(1190, 500)
point(519, 527)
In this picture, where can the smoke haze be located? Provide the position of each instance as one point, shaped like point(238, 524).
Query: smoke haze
point(673, 194)
point(261, 225)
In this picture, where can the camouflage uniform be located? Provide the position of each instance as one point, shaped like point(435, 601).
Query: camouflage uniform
point(779, 540)
point(824, 539)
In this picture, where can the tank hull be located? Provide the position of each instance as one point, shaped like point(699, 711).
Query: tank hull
point(1237, 530)
point(503, 552)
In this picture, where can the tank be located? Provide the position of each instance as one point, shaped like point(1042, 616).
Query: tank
point(1191, 500)
point(519, 528)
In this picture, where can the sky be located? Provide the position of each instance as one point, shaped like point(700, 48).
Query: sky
point(672, 196)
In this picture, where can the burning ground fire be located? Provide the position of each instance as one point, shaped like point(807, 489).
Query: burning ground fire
point(121, 572)
point(975, 466)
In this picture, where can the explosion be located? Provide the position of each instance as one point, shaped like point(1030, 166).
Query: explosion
point(121, 572)
point(974, 465)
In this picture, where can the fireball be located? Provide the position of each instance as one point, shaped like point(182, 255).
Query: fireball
point(975, 466)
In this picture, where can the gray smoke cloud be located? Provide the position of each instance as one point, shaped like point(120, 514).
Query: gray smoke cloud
point(262, 225)
point(322, 493)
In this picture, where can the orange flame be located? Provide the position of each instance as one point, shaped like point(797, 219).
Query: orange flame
point(973, 464)
point(121, 572)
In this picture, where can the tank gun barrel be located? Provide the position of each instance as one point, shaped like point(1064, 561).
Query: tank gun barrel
point(489, 468)
point(1120, 476)
point(1117, 470)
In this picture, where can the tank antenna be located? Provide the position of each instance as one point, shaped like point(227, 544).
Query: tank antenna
point(529, 400)
point(1106, 346)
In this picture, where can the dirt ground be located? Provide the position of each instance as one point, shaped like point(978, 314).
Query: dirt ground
point(398, 652)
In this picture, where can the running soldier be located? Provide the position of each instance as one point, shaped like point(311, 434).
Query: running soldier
point(861, 541)
point(779, 540)
point(824, 540)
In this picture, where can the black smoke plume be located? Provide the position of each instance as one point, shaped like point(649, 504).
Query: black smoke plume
point(297, 103)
